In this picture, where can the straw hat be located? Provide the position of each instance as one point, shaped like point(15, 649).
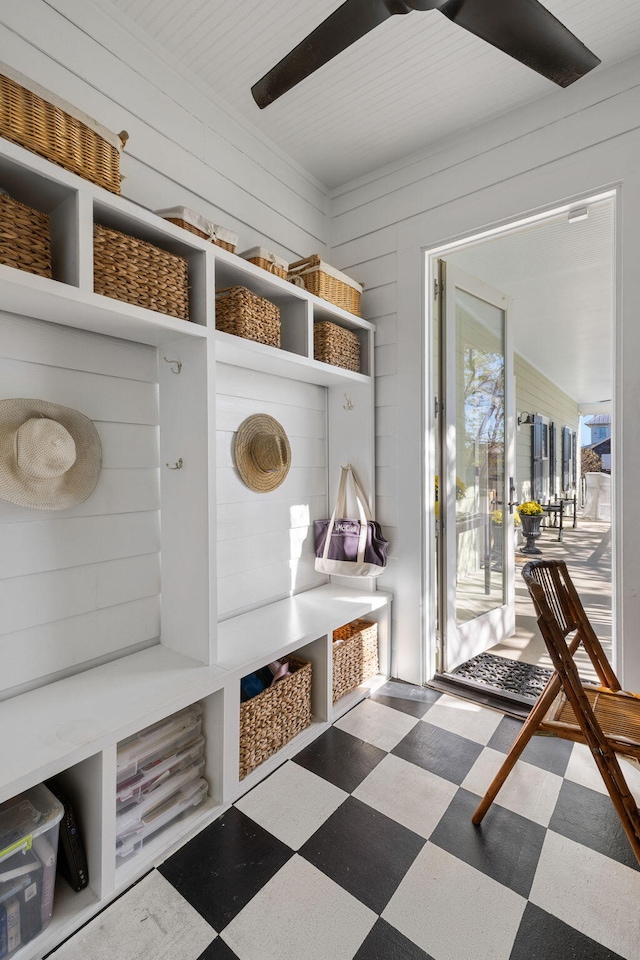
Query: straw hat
point(50, 455)
point(263, 454)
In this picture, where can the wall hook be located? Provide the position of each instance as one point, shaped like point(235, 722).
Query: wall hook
point(348, 402)
point(178, 364)
point(177, 465)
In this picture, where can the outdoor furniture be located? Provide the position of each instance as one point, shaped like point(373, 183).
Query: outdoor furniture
point(556, 510)
point(605, 718)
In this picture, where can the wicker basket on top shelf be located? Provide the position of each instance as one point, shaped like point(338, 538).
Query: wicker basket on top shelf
point(200, 226)
point(41, 122)
point(25, 239)
point(267, 261)
point(243, 313)
point(138, 272)
point(326, 282)
point(275, 716)
point(333, 344)
point(355, 656)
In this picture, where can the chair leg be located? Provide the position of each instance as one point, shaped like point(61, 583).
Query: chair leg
point(531, 724)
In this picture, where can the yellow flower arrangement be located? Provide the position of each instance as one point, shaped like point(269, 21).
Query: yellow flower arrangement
point(530, 508)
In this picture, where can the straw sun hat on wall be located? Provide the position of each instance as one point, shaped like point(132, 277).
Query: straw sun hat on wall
point(50, 456)
point(262, 451)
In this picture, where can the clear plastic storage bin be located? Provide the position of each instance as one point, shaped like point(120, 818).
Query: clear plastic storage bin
point(29, 826)
point(190, 796)
point(157, 742)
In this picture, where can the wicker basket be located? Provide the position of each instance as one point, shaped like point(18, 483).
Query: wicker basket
point(335, 345)
point(58, 131)
point(267, 261)
point(275, 716)
point(25, 240)
point(355, 656)
point(135, 271)
point(245, 314)
point(326, 282)
point(200, 226)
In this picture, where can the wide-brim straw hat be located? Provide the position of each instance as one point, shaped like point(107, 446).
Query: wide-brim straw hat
point(263, 453)
point(50, 455)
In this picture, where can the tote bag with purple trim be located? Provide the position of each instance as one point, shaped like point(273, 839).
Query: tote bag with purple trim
point(346, 547)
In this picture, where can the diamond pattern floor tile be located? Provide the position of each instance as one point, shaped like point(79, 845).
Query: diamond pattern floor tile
point(343, 849)
point(340, 758)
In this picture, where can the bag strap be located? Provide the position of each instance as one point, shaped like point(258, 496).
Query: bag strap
point(340, 509)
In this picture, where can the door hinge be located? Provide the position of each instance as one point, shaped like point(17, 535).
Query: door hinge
point(438, 407)
point(436, 287)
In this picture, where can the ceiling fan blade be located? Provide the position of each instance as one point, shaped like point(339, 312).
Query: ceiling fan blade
point(526, 31)
point(348, 23)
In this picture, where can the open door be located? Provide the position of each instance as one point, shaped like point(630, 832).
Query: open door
point(474, 486)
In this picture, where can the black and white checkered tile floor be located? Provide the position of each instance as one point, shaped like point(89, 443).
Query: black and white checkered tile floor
point(362, 847)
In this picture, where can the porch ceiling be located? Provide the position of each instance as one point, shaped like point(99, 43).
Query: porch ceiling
point(561, 278)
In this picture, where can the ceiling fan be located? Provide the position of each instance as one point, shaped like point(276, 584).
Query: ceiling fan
point(524, 29)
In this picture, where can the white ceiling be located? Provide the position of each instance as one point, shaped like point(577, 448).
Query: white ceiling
point(561, 278)
point(411, 82)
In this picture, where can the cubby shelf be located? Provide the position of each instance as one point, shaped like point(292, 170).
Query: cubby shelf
point(70, 728)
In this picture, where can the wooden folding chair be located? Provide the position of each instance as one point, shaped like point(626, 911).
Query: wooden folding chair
point(605, 717)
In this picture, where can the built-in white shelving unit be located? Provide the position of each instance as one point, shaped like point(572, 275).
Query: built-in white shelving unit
point(70, 728)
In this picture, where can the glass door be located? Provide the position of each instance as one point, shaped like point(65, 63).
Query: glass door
point(475, 474)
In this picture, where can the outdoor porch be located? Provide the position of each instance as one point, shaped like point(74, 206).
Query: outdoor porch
point(586, 549)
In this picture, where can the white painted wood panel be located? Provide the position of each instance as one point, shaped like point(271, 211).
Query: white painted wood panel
point(40, 598)
point(265, 542)
point(118, 491)
point(51, 544)
point(50, 344)
point(98, 397)
point(63, 573)
point(54, 648)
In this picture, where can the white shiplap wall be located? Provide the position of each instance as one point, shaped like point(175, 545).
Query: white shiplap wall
point(265, 540)
point(546, 153)
point(82, 584)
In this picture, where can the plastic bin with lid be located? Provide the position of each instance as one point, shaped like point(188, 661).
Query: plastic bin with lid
point(157, 741)
point(29, 825)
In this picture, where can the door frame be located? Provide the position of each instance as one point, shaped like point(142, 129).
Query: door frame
point(430, 652)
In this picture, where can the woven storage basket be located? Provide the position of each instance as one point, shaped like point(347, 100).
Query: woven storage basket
point(275, 716)
point(245, 314)
point(200, 226)
point(58, 131)
point(335, 345)
point(25, 240)
point(355, 656)
point(326, 282)
point(135, 271)
point(267, 261)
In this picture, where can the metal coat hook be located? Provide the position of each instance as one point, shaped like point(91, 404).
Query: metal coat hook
point(348, 402)
point(178, 364)
point(177, 465)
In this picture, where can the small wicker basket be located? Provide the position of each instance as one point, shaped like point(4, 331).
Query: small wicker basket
point(275, 716)
point(245, 314)
point(138, 272)
point(25, 239)
point(201, 227)
point(355, 656)
point(43, 123)
point(267, 261)
point(333, 344)
point(326, 282)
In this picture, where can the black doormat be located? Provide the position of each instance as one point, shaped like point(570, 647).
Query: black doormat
point(509, 677)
